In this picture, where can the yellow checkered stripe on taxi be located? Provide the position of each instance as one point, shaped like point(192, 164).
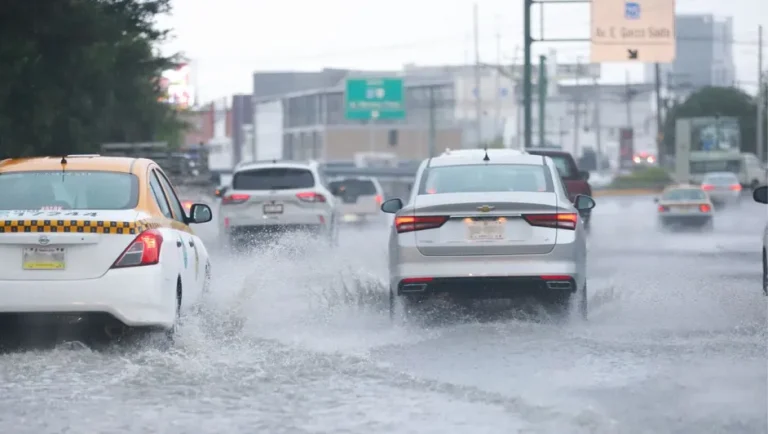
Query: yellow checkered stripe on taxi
point(74, 226)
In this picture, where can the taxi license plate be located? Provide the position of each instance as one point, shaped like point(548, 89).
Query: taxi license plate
point(273, 208)
point(485, 230)
point(44, 258)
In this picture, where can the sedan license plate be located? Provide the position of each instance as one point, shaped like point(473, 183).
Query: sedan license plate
point(486, 230)
point(273, 208)
point(44, 258)
point(683, 209)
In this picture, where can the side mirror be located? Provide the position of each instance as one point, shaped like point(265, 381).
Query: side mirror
point(584, 203)
point(392, 206)
point(200, 213)
point(584, 175)
point(760, 194)
point(655, 200)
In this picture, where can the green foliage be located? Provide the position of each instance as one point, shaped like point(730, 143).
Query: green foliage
point(716, 101)
point(646, 177)
point(77, 73)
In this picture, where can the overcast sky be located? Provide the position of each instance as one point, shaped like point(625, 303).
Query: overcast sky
point(229, 39)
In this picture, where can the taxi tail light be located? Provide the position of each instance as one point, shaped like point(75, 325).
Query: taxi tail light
point(558, 221)
point(705, 208)
point(234, 199)
point(736, 187)
point(410, 223)
point(310, 196)
point(144, 250)
point(707, 187)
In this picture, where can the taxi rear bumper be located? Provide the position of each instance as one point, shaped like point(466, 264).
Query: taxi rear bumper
point(135, 297)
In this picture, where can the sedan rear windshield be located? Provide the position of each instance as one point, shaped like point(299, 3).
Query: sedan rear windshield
point(684, 194)
point(477, 178)
point(356, 187)
point(273, 178)
point(721, 180)
point(70, 190)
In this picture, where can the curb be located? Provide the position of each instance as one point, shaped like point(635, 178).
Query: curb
point(626, 192)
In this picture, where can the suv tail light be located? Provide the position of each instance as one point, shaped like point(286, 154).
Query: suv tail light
point(736, 187)
point(144, 250)
point(234, 199)
point(409, 223)
point(379, 199)
point(310, 196)
point(559, 221)
point(707, 187)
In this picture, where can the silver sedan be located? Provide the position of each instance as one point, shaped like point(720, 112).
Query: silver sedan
point(479, 227)
point(723, 188)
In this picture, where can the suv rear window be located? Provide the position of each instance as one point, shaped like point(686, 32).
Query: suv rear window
point(70, 190)
point(356, 187)
point(273, 178)
point(474, 178)
point(564, 163)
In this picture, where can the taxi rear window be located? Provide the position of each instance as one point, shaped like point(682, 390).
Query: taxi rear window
point(70, 190)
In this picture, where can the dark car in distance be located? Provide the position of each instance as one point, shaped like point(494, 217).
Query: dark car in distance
point(576, 181)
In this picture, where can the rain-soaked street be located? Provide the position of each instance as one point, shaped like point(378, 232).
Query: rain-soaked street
point(676, 343)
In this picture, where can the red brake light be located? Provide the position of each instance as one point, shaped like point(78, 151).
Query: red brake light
point(310, 196)
point(410, 223)
point(144, 250)
point(556, 277)
point(705, 208)
point(663, 208)
point(379, 199)
point(410, 280)
point(707, 187)
point(736, 187)
point(559, 221)
point(234, 199)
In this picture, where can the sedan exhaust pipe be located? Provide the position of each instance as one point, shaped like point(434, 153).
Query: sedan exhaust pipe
point(411, 288)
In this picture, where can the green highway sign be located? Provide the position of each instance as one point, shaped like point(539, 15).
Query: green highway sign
point(374, 98)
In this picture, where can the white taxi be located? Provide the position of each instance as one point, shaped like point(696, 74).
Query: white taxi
point(98, 242)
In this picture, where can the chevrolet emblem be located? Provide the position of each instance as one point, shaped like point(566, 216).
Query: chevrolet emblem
point(485, 208)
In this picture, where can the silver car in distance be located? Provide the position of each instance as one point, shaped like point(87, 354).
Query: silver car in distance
point(480, 227)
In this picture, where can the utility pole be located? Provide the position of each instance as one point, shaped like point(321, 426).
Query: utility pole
point(497, 116)
point(577, 110)
point(478, 99)
point(760, 96)
point(597, 127)
point(628, 96)
point(528, 41)
point(659, 118)
point(542, 100)
point(432, 132)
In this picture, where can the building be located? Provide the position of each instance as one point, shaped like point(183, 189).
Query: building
point(313, 123)
point(704, 55)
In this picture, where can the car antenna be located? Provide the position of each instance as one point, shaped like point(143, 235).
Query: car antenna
point(485, 148)
point(63, 167)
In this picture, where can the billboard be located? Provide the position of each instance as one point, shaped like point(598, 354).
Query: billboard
point(176, 85)
point(720, 134)
point(626, 148)
point(633, 31)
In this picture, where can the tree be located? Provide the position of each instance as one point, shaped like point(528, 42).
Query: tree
point(77, 73)
point(716, 101)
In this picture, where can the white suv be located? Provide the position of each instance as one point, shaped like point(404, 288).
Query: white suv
point(269, 197)
point(359, 197)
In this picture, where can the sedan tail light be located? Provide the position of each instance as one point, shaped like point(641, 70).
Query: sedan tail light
point(417, 223)
point(310, 196)
point(559, 221)
point(736, 187)
point(144, 250)
point(234, 199)
point(707, 187)
point(705, 208)
point(663, 208)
